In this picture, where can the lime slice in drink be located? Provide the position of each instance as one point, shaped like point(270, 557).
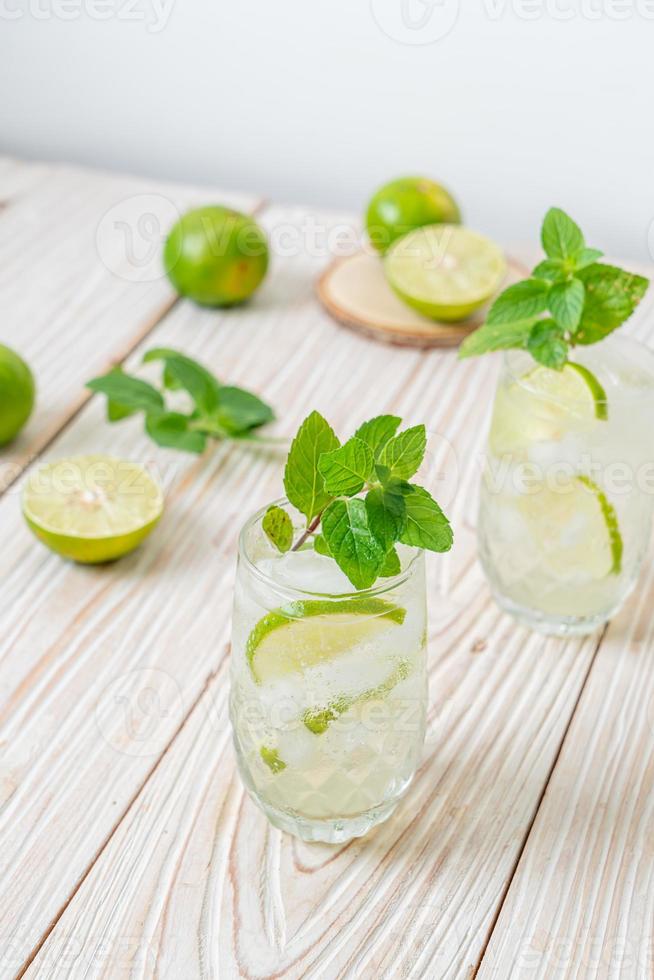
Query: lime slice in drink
point(445, 271)
point(92, 509)
point(317, 720)
point(575, 529)
point(306, 633)
point(544, 405)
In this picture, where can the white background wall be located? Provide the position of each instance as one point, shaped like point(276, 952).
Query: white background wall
point(515, 104)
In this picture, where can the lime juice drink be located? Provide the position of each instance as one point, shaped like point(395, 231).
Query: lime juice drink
point(568, 485)
point(329, 685)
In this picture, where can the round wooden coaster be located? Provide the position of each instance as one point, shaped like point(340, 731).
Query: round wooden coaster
point(354, 291)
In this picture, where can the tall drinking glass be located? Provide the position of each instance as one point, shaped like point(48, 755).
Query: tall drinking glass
point(568, 485)
point(328, 686)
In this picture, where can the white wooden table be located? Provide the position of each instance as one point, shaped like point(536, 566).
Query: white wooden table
point(127, 846)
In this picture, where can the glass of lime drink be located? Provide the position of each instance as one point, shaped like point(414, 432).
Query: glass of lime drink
point(328, 686)
point(568, 484)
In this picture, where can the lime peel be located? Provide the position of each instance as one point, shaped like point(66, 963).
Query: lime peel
point(596, 389)
point(611, 521)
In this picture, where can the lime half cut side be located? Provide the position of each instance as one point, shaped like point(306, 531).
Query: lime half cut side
point(544, 405)
point(92, 509)
point(445, 271)
point(305, 633)
point(575, 529)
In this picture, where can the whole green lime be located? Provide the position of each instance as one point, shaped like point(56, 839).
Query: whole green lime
point(216, 256)
point(16, 394)
point(407, 203)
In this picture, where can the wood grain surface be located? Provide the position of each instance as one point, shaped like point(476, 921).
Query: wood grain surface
point(127, 845)
point(81, 280)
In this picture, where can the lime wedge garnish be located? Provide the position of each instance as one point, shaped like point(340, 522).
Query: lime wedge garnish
point(305, 633)
point(445, 271)
point(317, 720)
point(543, 406)
point(575, 529)
point(92, 509)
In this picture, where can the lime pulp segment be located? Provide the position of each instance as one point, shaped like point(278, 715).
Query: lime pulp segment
point(543, 405)
point(93, 508)
point(445, 271)
point(575, 529)
point(304, 633)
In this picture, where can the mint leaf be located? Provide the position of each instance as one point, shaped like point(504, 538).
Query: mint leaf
point(172, 430)
point(497, 336)
point(278, 528)
point(560, 236)
point(587, 256)
point(566, 301)
point(320, 546)
point(117, 412)
point(392, 565)
point(303, 481)
point(378, 431)
point(404, 453)
point(521, 301)
point(127, 394)
point(347, 469)
point(240, 411)
point(549, 269)
point(351, 543)
point(186, 373)
point(612, 295)
point(386, 515)
point(547, 344)
point(427, 526)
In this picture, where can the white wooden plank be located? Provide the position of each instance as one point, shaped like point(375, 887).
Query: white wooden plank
point(582, 901)
point(194, 876)
point(80, 280)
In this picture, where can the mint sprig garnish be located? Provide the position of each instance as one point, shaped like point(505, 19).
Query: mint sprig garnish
point(218, 411)
point(569, 299)
point(356, 497)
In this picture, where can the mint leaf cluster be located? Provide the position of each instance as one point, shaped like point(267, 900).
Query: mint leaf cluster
point(357, 498)
point(569, 299)
point(219, 411)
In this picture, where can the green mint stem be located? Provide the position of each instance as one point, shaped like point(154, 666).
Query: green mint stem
point(305, 534)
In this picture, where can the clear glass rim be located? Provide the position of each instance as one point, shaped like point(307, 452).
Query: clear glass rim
point(621, 341)
point(386, 584)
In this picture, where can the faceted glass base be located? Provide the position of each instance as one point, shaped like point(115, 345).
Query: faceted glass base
point(334, 831)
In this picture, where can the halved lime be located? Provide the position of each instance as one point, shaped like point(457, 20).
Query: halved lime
point(92, 509)
point(445, 271)
point(544, 405)
point(17, 392)
point(575, 529)
point(305, 633)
